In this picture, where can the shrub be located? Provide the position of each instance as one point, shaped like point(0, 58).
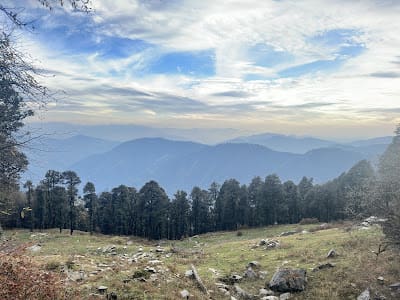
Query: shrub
point(21, 279)
point(239, 233)
point(306, 221)
point(52, 266)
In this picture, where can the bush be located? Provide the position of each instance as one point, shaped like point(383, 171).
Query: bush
point(239, 233)
point(306, 221)
point(52, 266)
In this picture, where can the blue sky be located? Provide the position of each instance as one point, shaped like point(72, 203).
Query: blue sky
point(325, 68)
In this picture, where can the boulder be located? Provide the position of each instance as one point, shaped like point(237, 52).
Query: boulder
point(395, 286)
point(364, 295)
point(289, 280)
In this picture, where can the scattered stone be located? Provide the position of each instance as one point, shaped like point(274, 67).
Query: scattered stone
point(270, 298)
point(395, 286)
point(380, 279)
point(262, 243)
point(102, 289)
point(242, 294)
point(189, 274)
point(150, 269)
point(324, 226)
point(286, 233)
point(364, 295)
point(185, 294)
point(76, 276)
point(222, 286)
point(159, 249)
point(332, 253)
point(236, 278)
point(233, 298)
point(35, 248)
point(250, 273)
point(265, 292)
point(129, 243)
point(323, 266)
point(110, 248)
point(285, 296)
point(272, 244)
point(253, 264)
point(305, 232)
point(155, 262)
point(289, 280)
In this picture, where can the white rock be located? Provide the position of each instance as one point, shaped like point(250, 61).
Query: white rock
point(185, 294)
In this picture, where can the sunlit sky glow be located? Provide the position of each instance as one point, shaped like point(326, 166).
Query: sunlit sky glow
point(323, 68)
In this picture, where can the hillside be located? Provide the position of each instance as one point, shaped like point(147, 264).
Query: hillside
point(183, 165)
point(133, 268)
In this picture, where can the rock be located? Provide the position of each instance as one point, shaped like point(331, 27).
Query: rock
point(305, 232)
point(150, 269)
point(185, 294)
point(262, 274)
point(129, 243)
point(395, 286)
point(253, 264)
point(323, 266)
point(286, 233)
point(270, 298)
point(189, 274)
point(222, 286)
point(285, 296)
point(332, 253)
point(35, 248)
point(112, 296)
point(155, 262)
point(236, 278)
point(265, 292)
point(233, 298)
point(380, 279)
point(250, 273)
point(159, 249)
point(289, 280)
point(76, 276)
point(364, 295)
point(102, 289)
point(109, 248)
point(242, 294)
point(272, 244)
point(262, 243)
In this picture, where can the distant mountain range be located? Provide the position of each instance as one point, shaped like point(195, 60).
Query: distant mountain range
point(182, 165)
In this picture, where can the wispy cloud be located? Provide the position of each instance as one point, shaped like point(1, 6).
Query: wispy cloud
point(270, 64)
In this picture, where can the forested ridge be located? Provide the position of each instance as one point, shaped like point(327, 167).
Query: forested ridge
point(149, 212)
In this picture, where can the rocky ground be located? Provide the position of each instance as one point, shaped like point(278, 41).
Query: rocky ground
point(317, 261)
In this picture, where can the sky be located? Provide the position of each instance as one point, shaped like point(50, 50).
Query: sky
point(323, 68)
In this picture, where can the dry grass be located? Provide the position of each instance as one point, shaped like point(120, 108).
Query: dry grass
point(220, 254)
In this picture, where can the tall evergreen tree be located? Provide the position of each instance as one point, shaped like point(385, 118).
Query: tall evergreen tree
point(71, 180)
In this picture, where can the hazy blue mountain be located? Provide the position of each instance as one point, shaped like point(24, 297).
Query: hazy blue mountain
point(385, 140)
point(286, 143)
point(60, 154)
point(182, 165)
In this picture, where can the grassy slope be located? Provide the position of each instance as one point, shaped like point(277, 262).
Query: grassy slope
point(355, 268)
